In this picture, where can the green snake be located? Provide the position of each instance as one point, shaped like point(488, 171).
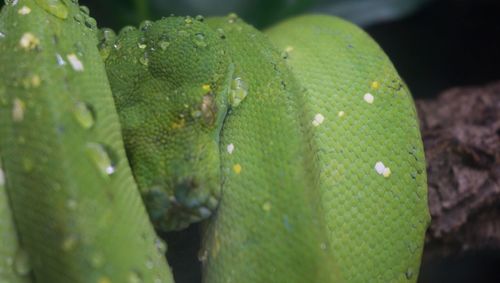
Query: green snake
point(298, 148)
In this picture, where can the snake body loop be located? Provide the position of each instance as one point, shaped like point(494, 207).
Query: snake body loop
point(75, 205)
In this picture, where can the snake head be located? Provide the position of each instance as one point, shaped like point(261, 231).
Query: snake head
point(170, 81)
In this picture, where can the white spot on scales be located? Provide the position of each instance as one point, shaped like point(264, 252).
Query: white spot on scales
point(382, 170)
point(75, 62)
point(318, 120)
point(24, 10)
point(368, 97)
point(230, 148)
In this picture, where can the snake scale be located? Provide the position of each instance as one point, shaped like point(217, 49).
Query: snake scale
point(298, 147)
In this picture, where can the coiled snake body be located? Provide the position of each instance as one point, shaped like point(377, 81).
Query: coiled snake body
point(299, 148)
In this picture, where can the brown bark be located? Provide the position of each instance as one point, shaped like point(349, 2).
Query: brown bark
point(461, 133)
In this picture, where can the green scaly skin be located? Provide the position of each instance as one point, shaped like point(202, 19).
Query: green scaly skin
point(279, 234)
point(376, 223)
point(10, 251)
point(280, 153)
point(77, 209)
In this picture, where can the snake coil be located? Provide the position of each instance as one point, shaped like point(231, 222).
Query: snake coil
point(298, 147)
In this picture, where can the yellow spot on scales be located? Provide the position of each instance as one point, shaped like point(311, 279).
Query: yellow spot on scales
point(104, 280)
point(33, 81)
point(18, 108)
point(179, 125)
point(375, 85)
point(341, 114)
point(206, 88)
point(237, 168)
point(381, 169)
point(29, 41)
point(387, 172)
point(286, 52)
point(266, 206)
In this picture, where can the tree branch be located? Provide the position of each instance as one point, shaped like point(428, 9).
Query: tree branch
point(461, 133)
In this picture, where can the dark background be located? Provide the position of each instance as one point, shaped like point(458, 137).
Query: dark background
point(435, 45)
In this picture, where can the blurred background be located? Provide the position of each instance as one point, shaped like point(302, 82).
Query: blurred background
point(435, 45)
